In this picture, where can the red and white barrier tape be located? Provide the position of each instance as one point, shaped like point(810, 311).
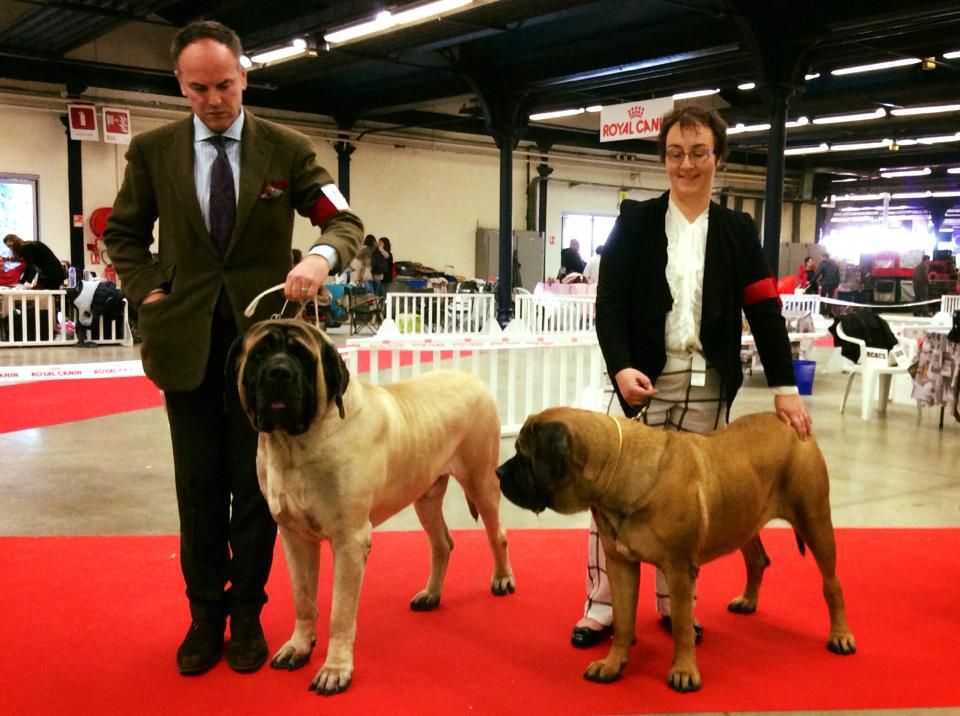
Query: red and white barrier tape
point(73, 371)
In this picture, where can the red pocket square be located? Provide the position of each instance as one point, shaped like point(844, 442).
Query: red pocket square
point(272, 190)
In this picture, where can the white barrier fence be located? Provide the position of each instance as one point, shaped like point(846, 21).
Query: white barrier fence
point(525, 375)
point(801, 303)
point(445, 313)
point(949, 304)
point(38, 318)
point(545, 314)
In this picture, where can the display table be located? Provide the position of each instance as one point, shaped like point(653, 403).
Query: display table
point(565, 289)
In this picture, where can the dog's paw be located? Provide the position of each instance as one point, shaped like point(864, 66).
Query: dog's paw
point(332, 680)
point(603, 673)
point(425, 601)
point(684, 680)
point(289, 658)
point(842, 644)
point(501, 586)
point(742, 605)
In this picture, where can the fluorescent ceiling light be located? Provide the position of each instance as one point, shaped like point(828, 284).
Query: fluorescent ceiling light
point(740, 128)
point(818, 149)
point(953, 170)
point(876, 66)
point(386, 20)
point(844, 181)
point(695, 93)
point(296, 48)
point(939, 139)
point(798, 122)
point(812, 76)
point(856, 117)
point(854, 146)
point(910, 111)
point(595, 108)
point(951, 55)
point(912, 195)
point(860, 197)
point(557, 114)
point(905, 173)
point(747, 86)
point(946, 193)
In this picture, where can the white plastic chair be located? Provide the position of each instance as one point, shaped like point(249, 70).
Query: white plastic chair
point(877, 366)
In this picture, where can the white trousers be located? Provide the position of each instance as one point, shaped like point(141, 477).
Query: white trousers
point(678, 405)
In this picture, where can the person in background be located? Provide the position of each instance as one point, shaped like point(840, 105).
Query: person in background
point(43, 269)
point(224, 186)
point(387, 252)
point(827, 276)
point(805, 274)
point(921, 285)
point(570, 261)
point(592, 270)
point(362, 265)
point(676, 275)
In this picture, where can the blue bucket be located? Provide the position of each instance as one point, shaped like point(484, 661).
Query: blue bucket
point(804, 370)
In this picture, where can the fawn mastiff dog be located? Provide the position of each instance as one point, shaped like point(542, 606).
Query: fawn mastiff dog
point(678, 500)
point(337, 457)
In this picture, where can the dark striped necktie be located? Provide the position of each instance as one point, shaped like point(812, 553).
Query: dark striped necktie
point(223, 197)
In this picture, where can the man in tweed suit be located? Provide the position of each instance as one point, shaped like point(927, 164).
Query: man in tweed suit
point(224, 186)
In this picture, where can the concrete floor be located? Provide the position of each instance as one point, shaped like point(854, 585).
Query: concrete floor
point(114, 475)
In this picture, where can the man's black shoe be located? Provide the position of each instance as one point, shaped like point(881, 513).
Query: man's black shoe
point(248, 646)
point(667, 624)
point(585, 637)
point(202, 647)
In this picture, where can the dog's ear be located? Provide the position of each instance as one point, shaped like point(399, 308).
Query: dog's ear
point(553, 449)
point(231, 368)
point(335, 373)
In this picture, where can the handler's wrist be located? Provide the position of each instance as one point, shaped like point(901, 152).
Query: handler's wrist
point(785, 390)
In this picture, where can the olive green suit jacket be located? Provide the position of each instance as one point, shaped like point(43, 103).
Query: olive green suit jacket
point(279, 174)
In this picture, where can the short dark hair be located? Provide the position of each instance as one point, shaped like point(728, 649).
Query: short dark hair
point(204, 30)
point(689, 115)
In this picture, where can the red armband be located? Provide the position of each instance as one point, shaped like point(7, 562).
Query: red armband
point(330, 202)
point(759, 291)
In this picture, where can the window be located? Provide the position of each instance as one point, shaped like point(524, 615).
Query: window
point(18, 207)
point(590, 230)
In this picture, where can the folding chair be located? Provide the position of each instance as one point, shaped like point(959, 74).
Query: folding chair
point(363, 310)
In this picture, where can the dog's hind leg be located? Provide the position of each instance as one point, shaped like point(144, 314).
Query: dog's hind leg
point(429, 509)
point(483, 493)
point(756, 560)
point(818, 534)
point(303, 563)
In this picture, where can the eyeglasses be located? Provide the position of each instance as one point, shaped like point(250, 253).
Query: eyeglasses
point(696, 156)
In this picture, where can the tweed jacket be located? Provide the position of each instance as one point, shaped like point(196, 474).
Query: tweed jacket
point(279, 174)
point(633, 296)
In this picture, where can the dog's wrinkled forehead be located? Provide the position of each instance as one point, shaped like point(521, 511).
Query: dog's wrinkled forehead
point(281, 332)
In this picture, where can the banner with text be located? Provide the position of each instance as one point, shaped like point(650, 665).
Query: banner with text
point(633, 120)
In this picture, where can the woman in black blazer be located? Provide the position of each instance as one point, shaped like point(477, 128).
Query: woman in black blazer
point(677, 274)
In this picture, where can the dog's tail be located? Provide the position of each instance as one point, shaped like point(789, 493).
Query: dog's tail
point(800, 545)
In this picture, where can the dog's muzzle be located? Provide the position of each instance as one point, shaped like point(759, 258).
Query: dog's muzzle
point(519, 485)
point(281, 395)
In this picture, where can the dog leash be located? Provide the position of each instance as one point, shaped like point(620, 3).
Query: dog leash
point(636, 418)
point(317, 302)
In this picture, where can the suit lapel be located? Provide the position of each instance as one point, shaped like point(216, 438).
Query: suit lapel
point(181, 175)
point(255, 153)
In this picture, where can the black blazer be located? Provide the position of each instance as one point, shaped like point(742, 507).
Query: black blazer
point(633, 296)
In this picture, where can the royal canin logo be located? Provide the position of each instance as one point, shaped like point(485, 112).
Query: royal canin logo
point(636, 111)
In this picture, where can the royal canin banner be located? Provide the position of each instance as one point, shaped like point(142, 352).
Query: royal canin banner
point(633, 120)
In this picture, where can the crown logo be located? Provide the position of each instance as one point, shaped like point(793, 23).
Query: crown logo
point(636, 111)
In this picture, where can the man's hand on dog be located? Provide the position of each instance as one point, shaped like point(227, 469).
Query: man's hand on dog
point(305, 280)
point(792, 410)
point(634, 386)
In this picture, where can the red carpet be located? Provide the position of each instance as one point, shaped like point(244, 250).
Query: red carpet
point(90, 626)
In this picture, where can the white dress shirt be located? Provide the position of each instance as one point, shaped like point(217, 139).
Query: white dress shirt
point(686, 249)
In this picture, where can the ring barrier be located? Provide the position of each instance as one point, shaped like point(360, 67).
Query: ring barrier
point(949, 304)
point(546, 314)
point(34, 317)
point(444, 313)
point(525, 374)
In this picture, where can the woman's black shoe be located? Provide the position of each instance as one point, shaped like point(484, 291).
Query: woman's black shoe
point(585, 637)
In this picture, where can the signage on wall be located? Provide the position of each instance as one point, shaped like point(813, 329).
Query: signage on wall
point(633, 120)
point(83, 122)
point(116, 125)
point(78, 221)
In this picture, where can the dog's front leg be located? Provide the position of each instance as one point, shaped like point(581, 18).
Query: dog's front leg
point(303, 563)
point(624, 578)
point(684, 676)
point(350, 551)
